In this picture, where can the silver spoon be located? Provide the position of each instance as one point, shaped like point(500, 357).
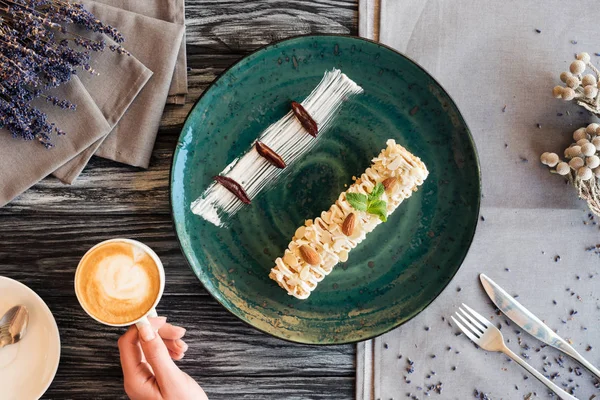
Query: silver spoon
point(13, 325)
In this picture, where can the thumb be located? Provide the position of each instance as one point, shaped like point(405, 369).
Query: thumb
point(157, 355)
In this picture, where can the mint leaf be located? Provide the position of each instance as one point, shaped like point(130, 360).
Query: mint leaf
point(358, 201)
point(379, 208)
point(370, 203)
point(377, 192)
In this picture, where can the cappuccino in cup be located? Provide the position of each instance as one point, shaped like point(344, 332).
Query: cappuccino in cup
point(119, 282)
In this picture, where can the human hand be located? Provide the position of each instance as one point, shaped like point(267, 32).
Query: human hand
point(147, 361)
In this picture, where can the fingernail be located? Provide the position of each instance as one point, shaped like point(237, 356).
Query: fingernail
point(182, 345)
point(161, 319)
point(146, 333)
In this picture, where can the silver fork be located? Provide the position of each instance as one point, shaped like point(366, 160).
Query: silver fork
point(489, 338)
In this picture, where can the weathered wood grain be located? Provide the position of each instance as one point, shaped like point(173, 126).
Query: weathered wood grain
point(105, 187)
point(224, 354)
point(220, 344)
point(44, 251)
point(231, 346)
point(222, 388)
point(223, 27)
point(45, 231)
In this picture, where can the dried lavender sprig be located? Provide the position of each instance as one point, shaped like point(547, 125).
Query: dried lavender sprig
point(35, 54)
point(59, 11)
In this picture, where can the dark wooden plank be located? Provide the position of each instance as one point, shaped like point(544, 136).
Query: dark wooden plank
point(224, 27)
point(43, 252)
point(104, 187)
point(45, 231)
point(220, 344)
point(221, 388)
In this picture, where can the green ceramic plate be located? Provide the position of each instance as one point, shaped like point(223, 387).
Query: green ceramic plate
point(403, 265)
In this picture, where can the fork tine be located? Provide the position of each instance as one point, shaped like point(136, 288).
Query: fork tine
point(473, 320)
point(473, 330)
point(484, 321)
point(465, 330)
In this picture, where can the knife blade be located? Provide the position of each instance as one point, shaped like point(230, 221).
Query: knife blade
point(529, 322)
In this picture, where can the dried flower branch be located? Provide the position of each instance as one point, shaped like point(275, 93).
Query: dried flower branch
point(38, 52)
point(583, 165)
point(583, 89)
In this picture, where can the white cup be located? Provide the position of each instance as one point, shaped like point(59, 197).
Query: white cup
point(161, 271)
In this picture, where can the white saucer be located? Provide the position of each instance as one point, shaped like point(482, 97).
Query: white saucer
point(27, 368)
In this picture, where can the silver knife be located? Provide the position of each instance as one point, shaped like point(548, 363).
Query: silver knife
point(529, 322)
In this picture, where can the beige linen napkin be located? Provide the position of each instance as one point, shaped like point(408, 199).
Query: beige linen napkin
point(170, 11)
point(120, 79)
point(156, 44)
point(126, 78)
point(23, 163)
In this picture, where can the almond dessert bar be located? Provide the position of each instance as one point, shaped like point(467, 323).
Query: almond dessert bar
point(323, 242)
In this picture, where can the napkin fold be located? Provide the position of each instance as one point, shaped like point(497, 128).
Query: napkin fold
point(170, 11)
point(83, 126)
point(119, 82)
point(156, 44)
point(499, 61)
point(154, 32)
point(23, 163)
point(370, 17)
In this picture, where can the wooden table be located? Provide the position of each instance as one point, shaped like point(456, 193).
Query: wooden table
point(45, 231)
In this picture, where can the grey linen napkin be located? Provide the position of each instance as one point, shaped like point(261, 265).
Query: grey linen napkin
point(499, 61)
point(34, 162)
point(23, 163)
point(368, 23)
point(170, 11)
point(120, 80)
point(156, 44)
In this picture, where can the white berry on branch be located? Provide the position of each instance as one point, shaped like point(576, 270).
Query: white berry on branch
point(588, 149)
point(580, 87)
point(581, 165)
point(584, 173)
point(585, 57)
point(579, 134)
point(577, 67)
point(592, 128)
point(593, 161)
point(576, 163)
point(588, 79)
point(563, 168)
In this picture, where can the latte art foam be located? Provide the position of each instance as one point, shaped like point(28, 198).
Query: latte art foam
point(118, 282)
point(122, 279)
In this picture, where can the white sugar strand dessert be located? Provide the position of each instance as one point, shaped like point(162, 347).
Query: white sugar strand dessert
point(322, 243)
point(287, 138)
